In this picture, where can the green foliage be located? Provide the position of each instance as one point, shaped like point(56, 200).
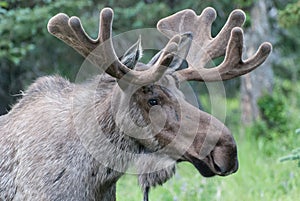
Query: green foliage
point(27, 49)
point(3, 4)
point(260, 129)
point(21, 28)
point(244, 3)
point(295, 155)
point(289, 40)
point(139, 15)
point(273, 112)
point(278, 114)
point(290, 16)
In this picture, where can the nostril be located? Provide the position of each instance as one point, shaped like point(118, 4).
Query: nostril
point(217, 168)
point(223, 163)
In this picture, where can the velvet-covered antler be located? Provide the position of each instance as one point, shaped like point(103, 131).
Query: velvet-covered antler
point(101, 51)
point(204, 48)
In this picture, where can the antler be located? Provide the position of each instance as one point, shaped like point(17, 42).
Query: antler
point(204, 48)
point(101, 51)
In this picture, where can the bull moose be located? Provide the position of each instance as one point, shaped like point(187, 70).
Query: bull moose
point(66, 141)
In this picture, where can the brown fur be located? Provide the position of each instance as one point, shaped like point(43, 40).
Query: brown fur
point(44, 137)
point(42, 157)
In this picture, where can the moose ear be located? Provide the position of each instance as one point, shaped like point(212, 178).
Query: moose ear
point(133, 54)
point(179, 60)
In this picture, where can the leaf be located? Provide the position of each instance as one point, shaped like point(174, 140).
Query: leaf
point(285, 158)
point(3, 4)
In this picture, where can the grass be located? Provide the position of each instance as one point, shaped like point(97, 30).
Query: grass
point(260, 176)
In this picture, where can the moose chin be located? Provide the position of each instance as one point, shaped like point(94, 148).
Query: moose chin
point(66, 141)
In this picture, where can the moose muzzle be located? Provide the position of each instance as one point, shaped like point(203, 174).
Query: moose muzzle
point(207, 143)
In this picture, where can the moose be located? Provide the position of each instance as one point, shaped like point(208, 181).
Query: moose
point(67, 141)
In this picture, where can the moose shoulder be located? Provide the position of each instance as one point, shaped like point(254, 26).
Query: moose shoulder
point(65, 141)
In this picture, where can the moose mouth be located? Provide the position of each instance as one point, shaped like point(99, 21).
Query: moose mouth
point(207, 167)
point(203, 167)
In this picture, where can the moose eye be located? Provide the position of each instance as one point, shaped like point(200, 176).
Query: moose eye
point(153, 101)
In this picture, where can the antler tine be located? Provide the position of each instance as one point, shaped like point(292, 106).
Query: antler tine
point(219, 43)
point(71, 32)
point(233, 65)
point(204, 48)
point(101, 51)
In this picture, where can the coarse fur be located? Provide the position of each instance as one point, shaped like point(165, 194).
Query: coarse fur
point(42, 155)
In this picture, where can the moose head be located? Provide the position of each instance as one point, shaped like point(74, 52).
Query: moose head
point(147, 104)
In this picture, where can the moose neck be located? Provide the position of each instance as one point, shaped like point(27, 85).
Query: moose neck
point(100, 135)
point(116, 127)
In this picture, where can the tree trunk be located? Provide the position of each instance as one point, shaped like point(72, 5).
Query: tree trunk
point(260, 81)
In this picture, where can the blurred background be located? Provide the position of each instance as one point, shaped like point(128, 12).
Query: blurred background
point(263, 108)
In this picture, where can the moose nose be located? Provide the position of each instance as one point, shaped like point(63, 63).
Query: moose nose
point(224, 156)
point(224, 170)
point(224, 163)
